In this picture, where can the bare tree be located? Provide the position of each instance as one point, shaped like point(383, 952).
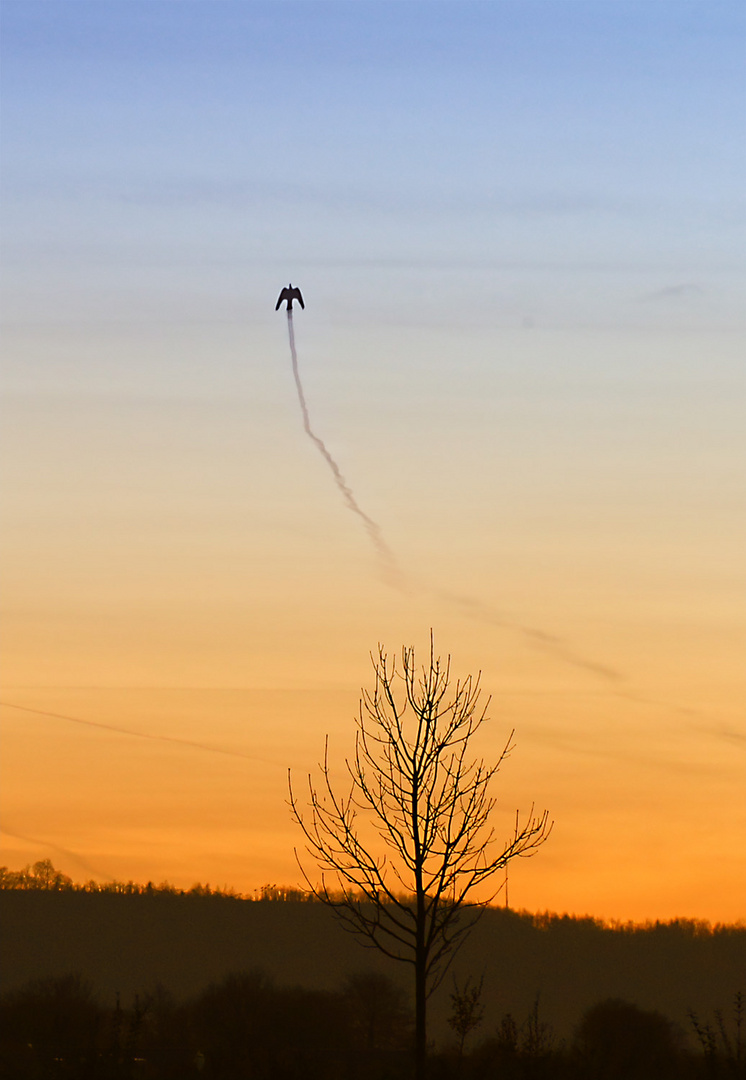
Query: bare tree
point(414, 787)
point(467, 1013)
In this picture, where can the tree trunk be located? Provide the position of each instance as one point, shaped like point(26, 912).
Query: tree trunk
point(420, 1014)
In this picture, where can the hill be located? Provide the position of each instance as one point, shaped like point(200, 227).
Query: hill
point(129, 943)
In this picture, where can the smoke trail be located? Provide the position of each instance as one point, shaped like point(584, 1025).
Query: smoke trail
point(384, 552)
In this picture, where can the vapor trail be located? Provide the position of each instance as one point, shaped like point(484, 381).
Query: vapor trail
point(548, 643)
point(115, 730)
point(88, 867)
point(541, 639)
point(374, 532)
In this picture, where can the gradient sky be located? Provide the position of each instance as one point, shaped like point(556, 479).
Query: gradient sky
point(519, 231)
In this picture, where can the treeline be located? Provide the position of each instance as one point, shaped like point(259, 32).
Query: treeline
point(247, 1028)
point(42, 875)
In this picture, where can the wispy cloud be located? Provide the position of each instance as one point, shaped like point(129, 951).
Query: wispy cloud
point(681, 291)
point(726, 734)
point(115, 729)
point(166, 190)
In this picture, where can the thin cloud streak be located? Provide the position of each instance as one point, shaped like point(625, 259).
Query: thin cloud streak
point(556, 647)
point(383, 198)
point(683, 291)
point(549, 643)
point(116, 730)
point(616, 752)
point(83, 863)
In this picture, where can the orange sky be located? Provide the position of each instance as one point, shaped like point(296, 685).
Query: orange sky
point(523, 345)
point(187, 571)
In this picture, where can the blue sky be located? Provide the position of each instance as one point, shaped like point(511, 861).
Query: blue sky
point(563, 137)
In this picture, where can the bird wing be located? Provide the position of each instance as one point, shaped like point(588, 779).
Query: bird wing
point(299, 298)
point(284, 295)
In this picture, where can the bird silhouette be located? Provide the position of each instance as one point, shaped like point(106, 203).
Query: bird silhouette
point(289, 294)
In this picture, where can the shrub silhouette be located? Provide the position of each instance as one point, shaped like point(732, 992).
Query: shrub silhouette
point(51, 1027)
point(245, 1026)
point(379, 1017)
point(724, 1050)
point(525, 1051)
point(617, 1040)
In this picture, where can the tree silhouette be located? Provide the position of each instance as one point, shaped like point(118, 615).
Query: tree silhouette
point(42, 875)
point(617, 1040)
point(414, 787)
point(467, 1013)
point(50, 1027)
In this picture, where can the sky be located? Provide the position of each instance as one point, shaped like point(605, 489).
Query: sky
point(518, 228)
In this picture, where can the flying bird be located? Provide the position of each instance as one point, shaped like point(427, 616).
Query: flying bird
point(289, 294)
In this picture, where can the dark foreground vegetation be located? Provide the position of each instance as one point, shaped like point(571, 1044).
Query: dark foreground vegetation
point(175, 984)
point(247, 1028)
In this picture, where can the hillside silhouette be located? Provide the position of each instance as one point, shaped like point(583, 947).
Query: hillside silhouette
point(126, 939)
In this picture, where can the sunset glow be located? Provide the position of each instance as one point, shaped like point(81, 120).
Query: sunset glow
point(517, 230)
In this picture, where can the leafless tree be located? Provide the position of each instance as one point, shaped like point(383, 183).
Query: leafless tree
point(413, 786)
point(467, 1013)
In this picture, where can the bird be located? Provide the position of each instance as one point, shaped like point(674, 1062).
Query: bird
point(289, 294)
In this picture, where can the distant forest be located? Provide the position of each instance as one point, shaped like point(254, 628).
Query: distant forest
point(121, 980)
point(43, 875)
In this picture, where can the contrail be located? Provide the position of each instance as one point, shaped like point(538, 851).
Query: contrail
point(549, 643)
point(541, 639)
point(115, 730)
point(384, 552)
point(88, 867)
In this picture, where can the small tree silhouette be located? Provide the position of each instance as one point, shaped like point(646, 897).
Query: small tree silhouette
point(467, 1013)
point(617, 1040)
point(414, 787)
point(49, 1027)
point(724, 1054)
